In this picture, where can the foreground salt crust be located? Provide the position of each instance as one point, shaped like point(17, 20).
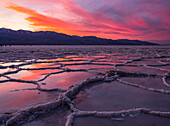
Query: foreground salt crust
point(65, 99)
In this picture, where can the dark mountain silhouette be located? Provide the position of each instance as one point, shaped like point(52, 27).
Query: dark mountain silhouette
point(23, 37)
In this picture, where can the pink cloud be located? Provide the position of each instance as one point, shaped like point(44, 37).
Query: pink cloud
point(135, 19)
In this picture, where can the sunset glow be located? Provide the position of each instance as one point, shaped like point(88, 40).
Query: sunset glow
point(119, 19)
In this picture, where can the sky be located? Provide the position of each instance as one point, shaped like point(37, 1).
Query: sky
point(147, 20)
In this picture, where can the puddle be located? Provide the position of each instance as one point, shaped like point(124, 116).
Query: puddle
point(65, 80)
point(7, 70)
point(74, 67)
point(32, 75)
point(116, 96)
point(148, 62)
point(140, 69)
point(13, 97)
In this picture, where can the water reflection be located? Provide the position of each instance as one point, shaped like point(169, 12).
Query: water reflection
point(65, 80)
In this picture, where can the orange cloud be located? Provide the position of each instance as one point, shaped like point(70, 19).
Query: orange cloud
point(46, 22)
point(40, 20)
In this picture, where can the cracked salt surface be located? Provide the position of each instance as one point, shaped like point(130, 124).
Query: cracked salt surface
point(109, 85)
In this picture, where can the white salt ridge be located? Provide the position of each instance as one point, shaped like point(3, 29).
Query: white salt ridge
point(145, 88)
point(164, 81)
point(148, 66)
point(114, 115)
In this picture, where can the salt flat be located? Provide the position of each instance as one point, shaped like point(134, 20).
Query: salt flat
point(113, 85)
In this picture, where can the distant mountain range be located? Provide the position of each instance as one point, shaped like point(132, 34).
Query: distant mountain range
point(23, 37)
